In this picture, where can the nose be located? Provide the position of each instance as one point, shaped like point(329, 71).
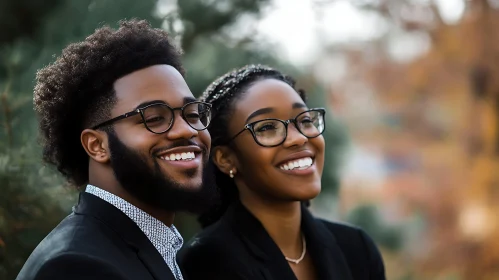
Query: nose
point(294, 138)
point(181, 129)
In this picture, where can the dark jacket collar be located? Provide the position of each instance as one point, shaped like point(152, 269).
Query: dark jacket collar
point(327, 256)
point(115, 219)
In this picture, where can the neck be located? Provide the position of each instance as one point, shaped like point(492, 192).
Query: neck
point(109, 183)
point(281, 220)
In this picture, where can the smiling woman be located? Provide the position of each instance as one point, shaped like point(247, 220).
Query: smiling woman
point(269, 151)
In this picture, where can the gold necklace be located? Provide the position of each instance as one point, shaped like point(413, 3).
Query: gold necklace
point(304, 251)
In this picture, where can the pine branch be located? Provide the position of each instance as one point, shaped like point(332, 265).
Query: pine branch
point(7, 114)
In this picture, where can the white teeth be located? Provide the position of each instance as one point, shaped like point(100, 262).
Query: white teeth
point(181, 156)
point(302, 163)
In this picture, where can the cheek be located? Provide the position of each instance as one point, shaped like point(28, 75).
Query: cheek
point(205, 138)
point(256, 160)
point(320, 148)
point(137, 138)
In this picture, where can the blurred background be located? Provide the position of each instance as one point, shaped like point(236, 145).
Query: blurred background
point(412, 92)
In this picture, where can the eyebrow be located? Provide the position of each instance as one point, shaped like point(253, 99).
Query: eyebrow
point(143, 104)
point(260, 112)
point(189, 99)
point(267, 110)
point(298, 105)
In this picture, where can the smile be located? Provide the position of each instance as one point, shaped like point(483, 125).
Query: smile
point(178, 156)
point(300, 164)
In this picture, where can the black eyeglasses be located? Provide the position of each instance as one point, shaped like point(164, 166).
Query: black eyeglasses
point(158, 117)
point(273, 132)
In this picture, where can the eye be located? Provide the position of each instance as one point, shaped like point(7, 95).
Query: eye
point(155, 119)
point(307, 121)
point(266, 126)
point(193, 115)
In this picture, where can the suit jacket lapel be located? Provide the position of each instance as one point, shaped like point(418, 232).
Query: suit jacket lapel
point(330, 263)
point(271, 263)
point(155, 264)
point(327, 256)
point(92, 205)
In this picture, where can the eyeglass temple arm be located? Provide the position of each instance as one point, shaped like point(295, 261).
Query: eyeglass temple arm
point(246, 127)
point(124, 116)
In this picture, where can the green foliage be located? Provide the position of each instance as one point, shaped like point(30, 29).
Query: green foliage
point(336, 139)
point(205, 18)
point(69, 22)
point(210, 58)
point(21, 18)
point(30, 206)
point(367, 217)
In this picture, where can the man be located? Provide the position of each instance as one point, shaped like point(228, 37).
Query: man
point(117, 117)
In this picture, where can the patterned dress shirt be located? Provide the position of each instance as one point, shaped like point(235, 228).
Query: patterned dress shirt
point(167, 240)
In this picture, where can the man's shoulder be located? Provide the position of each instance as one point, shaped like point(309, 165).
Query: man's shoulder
point(77, 233)
point(77, 236)
point(72, 265)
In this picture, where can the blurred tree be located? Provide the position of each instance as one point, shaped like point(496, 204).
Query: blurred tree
point(367, 217)
point(335, 135)
point(23, 18)
point(205, 18)
point(26, 214)
point(448, 100)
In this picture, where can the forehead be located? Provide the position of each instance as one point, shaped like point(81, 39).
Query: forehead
point(158, 82)
point(268, 93)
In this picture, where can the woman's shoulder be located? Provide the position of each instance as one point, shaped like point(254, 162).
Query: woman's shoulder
point(209, 237)
point(214, 253)
point(357, 246)
point(341, 229)
point(348, 235)
point(216, 240)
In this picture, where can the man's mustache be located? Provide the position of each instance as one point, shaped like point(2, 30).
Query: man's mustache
point(181, 143)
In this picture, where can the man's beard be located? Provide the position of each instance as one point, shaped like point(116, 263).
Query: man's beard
point(153, 187)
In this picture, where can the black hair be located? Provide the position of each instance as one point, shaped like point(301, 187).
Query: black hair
point(223, 94)
point(76, 91)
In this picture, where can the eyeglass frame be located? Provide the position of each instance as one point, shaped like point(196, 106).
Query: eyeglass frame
point(250, 127)
point(141, 112)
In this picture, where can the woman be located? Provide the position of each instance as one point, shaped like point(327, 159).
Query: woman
point(268, 148)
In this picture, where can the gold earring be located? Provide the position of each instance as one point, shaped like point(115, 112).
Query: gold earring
point(231, 173)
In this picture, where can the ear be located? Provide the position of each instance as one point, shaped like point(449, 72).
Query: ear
point(95, 144)
point(224, 159)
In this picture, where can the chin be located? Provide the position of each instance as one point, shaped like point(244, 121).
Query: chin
point(191, 184)
point(308, 193)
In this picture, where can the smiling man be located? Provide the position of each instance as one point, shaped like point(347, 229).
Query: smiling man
point(117, 118)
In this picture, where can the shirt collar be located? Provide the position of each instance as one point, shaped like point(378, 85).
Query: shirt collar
point(157, 232)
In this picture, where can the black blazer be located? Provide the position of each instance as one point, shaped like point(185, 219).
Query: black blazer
point(238, 247)
point(97, 241)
